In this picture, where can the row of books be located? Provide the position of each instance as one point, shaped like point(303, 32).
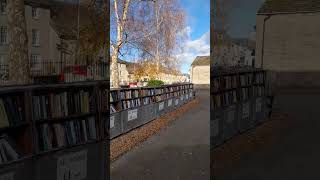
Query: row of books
point(126, 104)
point(147, 92)
point(67, 133)
point(113, 96)
point(113, 108)
point(62, 104)
point(244, 93)
point(258, 90)
point(161, 97)
point(11, 111)
point(246, 79)
point(160, 91)
point(229, 82)
point(8, 151)
point(148, 100)
point(259, 78)
point(128, 94)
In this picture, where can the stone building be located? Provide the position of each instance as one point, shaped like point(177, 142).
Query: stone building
point(52, 29)
point(229, 51)
point(288, 41)
point(200, 70)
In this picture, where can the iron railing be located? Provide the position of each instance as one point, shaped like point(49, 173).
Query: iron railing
point(45, 72)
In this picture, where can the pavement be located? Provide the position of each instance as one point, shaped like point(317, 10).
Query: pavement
point(178, 152)
point(296, 155)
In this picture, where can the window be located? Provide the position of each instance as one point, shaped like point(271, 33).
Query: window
point(3, 59)
point(3, 35)
point(35, 12)
point(35, 37)
point(3, 6)
point(35, 61)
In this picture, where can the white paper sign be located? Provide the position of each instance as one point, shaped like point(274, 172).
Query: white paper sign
point(7, 176)
point(231, 116)
point(161, 106)
point(72, 166)
point(187, 96)
point(215, 127)
point(111, 122)
point(190, 94)
point(258, 105)
point(177, 101)
point(132, 114)
point(245, 110)
point(181, 98)
point(170, 102)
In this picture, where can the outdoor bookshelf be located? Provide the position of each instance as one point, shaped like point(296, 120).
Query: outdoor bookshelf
point(238, 102)
point(134, 107)
point(51, 132)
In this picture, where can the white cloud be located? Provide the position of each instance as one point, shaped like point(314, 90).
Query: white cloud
point(193, 48)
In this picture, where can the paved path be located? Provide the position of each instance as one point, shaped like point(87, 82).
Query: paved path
point(296, 156)
point(179, 152)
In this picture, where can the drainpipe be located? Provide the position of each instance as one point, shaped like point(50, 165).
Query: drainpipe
point(263, 32)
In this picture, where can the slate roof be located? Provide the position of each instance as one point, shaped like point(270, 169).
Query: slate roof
point(201, 61)
point(289, 6)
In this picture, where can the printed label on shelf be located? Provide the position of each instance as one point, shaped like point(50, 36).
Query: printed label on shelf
point(161, 106)
point(132, 114)
point(177, 101)
point(181, 98)
point(245, 110)
point(215, 127)
point(187, 96)
point(231, 116)
point(7, 176)
point(111, 121)
point(190, 95)
point(258, 105)
point(72, 166)
point(170, 102)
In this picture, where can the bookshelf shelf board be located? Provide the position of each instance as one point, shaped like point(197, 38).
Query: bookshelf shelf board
point(114, 101)
point(130, 98)
point(147, 96)
point(65, 118)
point(224, 90)
point(20, 160)
point(259, 84)
point(13, 127)
point(246, 86)
point(42, 153)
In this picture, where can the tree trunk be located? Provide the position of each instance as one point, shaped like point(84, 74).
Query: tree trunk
point(114, 71)
point(19, 70)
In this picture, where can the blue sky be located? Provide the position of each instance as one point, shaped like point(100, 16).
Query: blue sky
point(197, 30)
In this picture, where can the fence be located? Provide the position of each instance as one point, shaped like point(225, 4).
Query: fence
point(48, 71)
point(134, 107)
point(239, 102)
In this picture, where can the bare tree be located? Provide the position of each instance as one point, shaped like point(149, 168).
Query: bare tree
point(18, 45)
point(148, 27)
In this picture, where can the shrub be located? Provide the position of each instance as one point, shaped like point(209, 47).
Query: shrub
point(155, 83)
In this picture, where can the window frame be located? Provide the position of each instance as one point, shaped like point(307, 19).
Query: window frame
point(37, 10)
point(5, 37)
point(5, 2)
point(35, 40)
